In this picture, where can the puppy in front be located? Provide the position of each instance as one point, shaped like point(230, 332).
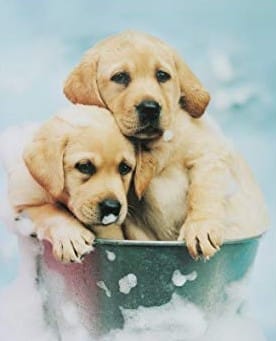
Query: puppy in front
point(190, 184)
point(73, 181)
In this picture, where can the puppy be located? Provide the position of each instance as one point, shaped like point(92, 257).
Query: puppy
point(190, 184)
point(74, 180)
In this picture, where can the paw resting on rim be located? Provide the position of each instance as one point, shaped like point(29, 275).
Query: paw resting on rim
point(70, 243)
point(203, 238)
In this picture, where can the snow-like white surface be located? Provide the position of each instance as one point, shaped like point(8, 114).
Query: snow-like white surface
point(21, 313)
point(179, 320)
point(176, 320)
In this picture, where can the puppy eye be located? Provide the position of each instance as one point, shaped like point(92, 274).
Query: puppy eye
point(121, 78)
point(86, 167)
point(124, 169)
point(162, 76)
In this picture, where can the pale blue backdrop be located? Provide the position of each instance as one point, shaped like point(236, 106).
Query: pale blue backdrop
point(230, 45)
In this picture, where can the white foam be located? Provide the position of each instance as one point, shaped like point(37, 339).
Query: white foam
point(176, 320)
point(109, 219)
point(127, 283)
point(24, 225)
point(70, 313)
point(110, 255)
point(102, 285)
point(179, 279)
point(180, 320)
point(235, 327)
point(168, 135)
point(21, 314)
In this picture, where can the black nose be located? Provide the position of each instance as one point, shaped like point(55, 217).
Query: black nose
point(110, 206)
point(149, 112)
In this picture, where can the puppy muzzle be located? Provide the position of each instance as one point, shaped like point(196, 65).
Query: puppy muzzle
point(109, 211)
point(149, 120)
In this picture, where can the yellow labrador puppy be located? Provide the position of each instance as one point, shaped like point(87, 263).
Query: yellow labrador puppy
point(74, 180)
point(190, 183)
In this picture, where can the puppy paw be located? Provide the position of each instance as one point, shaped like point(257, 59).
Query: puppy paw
point(71, 243)
point(203, 238)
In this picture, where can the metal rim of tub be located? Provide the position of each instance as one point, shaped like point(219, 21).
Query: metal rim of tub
point(158, 243)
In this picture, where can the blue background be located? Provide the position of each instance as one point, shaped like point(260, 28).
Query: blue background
point(229, 44)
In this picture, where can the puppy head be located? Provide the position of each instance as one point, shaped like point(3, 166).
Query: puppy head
point(141, 80)
point(81, 158)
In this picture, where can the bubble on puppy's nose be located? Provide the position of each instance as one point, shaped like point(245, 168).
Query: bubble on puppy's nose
point(109, 219)
point(168, 135)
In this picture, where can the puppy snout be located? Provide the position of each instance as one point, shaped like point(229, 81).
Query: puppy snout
point(149, 112)
point(110, 207)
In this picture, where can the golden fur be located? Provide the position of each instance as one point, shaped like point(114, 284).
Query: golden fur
point(140, 56)
point(200, 190)
point(59, 199)
point(193, 185)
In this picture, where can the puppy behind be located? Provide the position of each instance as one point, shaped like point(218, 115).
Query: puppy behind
point(76, 175)
point(191, 183)
point(141, 80)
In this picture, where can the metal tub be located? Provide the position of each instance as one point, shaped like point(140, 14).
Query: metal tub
point(131, 274)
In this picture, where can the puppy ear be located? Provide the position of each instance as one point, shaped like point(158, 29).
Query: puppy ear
point(43, 156)
point(194, 98)
point(81, 85)
point(144, 172)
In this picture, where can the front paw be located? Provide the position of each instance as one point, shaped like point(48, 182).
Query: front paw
point(203, 238)
point(71, 243)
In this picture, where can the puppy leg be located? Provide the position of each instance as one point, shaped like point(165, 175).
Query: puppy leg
point(70, 240)
point(203, 228)
point(109, 232)
point(203, 238)
point(134, 232)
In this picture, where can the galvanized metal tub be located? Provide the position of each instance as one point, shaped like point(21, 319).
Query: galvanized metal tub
point(131, 274)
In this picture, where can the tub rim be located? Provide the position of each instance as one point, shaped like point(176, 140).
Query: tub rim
point(158, 243)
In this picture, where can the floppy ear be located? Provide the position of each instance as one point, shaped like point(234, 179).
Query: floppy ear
point(194, 98)
point(43, 156)
point(144, 172)
point(81, 85)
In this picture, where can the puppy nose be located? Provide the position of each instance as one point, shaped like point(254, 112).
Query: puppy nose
point(149, 112)
point(110, 206)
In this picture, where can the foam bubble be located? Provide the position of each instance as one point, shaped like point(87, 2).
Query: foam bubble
point(179, 279)
point(127, 283)
point(110, 255)
point(168, 135)
point(102, 285)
